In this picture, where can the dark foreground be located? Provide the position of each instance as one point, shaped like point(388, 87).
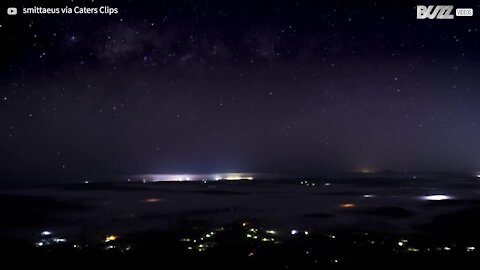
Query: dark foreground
point(244, 245)
point(394, 223)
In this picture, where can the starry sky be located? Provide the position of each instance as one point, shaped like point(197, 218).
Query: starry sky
point(218, 86)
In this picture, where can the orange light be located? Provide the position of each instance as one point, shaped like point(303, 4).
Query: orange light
point(347, 205)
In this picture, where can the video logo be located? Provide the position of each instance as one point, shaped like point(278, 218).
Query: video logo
point(12, 11)
point(435, 12)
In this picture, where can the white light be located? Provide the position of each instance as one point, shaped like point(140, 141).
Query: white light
point(437, 197)
point(470, 248)
point(86, 181)
point(218, 178)
point(368, 196)
point(293, 232)
point(46, 233)
point(59, 240)
point(306, 232)
point(400, 244)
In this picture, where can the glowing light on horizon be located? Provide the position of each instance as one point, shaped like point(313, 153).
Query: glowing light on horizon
point(437, 197)
point(152, 200)
point(237, 178)
point(347, 205)
point(197, 177)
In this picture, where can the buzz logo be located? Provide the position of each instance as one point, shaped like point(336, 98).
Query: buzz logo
point(435, 12)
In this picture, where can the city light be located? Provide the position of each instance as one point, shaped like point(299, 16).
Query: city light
point(109, 238)
point(437, 197)
point(347, 205)
point(152, 200)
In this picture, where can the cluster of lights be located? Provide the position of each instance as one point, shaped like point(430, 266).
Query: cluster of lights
point(295, 232)
point(204, 242)
point(210, 239)
point(308, 184)
point(111, 243)
point(261, 235)
point(48, 239)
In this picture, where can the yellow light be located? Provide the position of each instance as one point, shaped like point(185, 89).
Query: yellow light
point(110, 238)
point(234, 178)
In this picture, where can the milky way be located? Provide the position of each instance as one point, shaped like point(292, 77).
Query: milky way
point(220, 86)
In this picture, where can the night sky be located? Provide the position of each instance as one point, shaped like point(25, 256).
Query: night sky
point(256, 86)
